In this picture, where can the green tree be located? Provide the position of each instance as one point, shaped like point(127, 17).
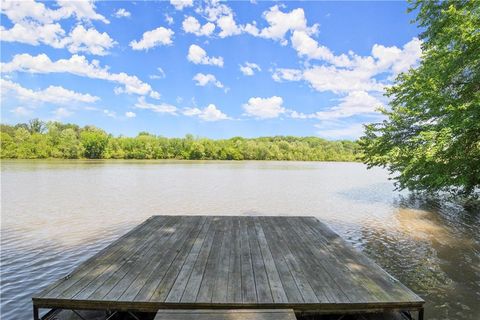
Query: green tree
point(36, 126)
point(431, 138)
point(94, 142)
point(69, 144)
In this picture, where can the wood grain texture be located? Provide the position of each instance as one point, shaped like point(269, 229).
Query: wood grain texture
point(248, 314)
point(229, 262)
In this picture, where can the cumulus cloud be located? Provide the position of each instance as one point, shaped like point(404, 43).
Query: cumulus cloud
point(34, 34)
point(280, 23)
point(122, 13)
point(153, 38)
point(78, 40)
point(181, 4)
point(83, 10)
point(52, 94)
point(77, 65)
point(130, 114)
point(205, 79)
point(210, 113)
point(249, 68)
point(35, 24)
point(159, 108)
point(350, 73)
point(222, 15)
point(197, 55)
point(264, 108)
point(30, 10)
point(89, 40)
point(191, 25)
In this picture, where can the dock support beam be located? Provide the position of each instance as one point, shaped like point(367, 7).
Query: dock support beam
point(36, 315)
point(421, 313)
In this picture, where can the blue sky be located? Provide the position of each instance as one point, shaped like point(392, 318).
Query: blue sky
point(213, 69)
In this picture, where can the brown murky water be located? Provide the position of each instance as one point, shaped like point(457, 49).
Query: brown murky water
point(56, 214)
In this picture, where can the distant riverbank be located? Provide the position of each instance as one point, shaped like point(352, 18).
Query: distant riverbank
point(55, 140)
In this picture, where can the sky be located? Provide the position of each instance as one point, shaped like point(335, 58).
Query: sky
point(211, 69)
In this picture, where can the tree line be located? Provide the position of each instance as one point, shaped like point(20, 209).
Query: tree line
point(40, 140)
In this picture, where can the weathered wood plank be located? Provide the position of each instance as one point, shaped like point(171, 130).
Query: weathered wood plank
point(249, 293)
point(211, 272)
point(104, 260)
point(292, 291)
point(157, 268)
point(276, 287)
point(298, 273)
point(195, 280)
point(220, 290)
point(262, 286)
point(234, 291)
point(176, 293)
point(240, 314)
point(168, 280)
point(135, 254)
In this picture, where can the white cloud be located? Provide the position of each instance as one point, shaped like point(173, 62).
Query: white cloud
point(350, 73)
point(160, 75)
point(354, 103)
point(110, 113)
point(79, 40)
point(191, 25)
point(205, 79)
point(21, 112)
point(222, 15)
point(153, 38)
point(130, 114)
point(309, 47)
point(264, 108)
point(34, 34)
point(52, 94)
point(280, 23)
point(89, 40)
point(77, 65)
point(122, 13)
point(281, 74)
point(62, 113)
point(83, 10)
point(30, 10)
point(169, 19)
point(210, 113)
point(199, 56)
point(228, 26)
point(34, 23)
point(180, 4)
point(159, 108)
point(249, 68)
point(329, 78)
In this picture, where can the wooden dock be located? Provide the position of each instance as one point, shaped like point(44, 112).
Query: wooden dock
point(229, 262)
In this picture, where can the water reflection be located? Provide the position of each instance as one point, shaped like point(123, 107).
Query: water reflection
point(56, 214)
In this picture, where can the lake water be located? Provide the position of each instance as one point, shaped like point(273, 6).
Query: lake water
point(55, 214)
